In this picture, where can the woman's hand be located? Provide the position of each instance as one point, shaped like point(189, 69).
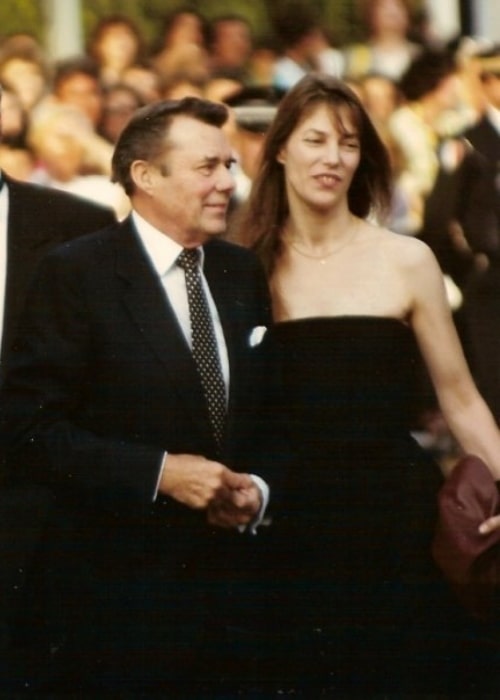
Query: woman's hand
point(490, 525)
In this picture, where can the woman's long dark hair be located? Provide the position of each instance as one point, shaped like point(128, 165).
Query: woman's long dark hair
point(370, 190)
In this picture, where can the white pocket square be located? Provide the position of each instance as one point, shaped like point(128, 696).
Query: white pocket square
point(257, 335)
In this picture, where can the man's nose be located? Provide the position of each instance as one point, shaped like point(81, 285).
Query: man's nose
point(225, 180)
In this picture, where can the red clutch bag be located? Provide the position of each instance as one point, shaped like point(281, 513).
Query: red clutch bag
point(469, 561)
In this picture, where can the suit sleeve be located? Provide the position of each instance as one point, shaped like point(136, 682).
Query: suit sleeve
point(44, 433)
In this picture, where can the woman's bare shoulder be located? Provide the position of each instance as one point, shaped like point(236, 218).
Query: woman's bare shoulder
point(407, 250)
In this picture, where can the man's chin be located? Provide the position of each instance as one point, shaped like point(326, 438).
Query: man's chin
point(215, 231)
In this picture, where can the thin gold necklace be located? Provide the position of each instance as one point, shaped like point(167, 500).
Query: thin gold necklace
point(324, 257)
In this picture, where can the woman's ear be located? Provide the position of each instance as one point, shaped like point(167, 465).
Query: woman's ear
point(281, 157)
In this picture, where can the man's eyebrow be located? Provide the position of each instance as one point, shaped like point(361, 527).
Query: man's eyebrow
point(215, 160)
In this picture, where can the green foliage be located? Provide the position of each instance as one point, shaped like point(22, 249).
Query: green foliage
point(340, 17)
point(24, 16)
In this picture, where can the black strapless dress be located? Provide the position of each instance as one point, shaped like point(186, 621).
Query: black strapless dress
point(363, 606)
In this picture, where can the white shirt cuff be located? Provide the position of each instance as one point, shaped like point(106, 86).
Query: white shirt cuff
point(260, 518)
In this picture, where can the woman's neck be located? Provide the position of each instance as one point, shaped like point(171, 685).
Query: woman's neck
point(317, 231)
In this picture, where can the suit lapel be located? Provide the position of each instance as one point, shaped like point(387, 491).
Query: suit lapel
point(153, 315)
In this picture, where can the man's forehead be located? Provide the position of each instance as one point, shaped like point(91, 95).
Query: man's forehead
point(204, 140)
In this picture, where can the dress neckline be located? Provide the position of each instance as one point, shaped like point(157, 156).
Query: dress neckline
point(343, 317)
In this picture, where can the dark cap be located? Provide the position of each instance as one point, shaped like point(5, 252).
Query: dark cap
point(254, 108)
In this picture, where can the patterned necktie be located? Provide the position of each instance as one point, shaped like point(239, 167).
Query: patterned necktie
point(204, 346)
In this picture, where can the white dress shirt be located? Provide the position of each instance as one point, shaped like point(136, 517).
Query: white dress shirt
point(163, 252)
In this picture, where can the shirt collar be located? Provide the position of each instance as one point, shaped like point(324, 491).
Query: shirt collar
point(494, 116)
point(161, 249)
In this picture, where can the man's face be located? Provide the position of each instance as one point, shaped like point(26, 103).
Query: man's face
point(190, 186)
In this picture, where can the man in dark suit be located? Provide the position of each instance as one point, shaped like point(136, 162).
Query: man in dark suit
point(485, 134)
point(482, 302)
point(32, 220)
point(37, 219)
point(105, 402)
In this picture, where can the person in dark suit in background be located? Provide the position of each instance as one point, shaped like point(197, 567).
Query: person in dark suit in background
point(481, 305)
point(484, 135)
point(105, 402)
point(32, 220)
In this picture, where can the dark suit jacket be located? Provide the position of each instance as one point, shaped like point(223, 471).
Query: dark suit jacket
point(481, 310)
point(462, 195)
point(39, 218)
point(102, 382)
point(486, 139)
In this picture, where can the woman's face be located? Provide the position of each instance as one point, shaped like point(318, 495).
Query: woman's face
point(320, 158)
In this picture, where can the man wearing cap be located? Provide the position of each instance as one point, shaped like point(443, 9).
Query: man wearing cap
point(253, 109)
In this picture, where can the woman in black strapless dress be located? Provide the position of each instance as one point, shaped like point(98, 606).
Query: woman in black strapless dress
point(362, 609)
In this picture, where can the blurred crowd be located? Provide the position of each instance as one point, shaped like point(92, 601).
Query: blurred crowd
point(436, 104)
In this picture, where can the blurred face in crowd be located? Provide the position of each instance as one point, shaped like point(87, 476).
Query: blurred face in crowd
point(56, 140)
point(389, 16)
point(26, 78)
point(232, 43)
point(118, 46)
point(380, 97)
point(84, 92)
point(143, 80)
point(118, 106)
point(185, 29)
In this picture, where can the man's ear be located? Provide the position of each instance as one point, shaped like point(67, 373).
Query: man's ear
point(142, 174)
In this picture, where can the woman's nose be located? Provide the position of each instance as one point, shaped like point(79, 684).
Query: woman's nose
point(331, 153)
